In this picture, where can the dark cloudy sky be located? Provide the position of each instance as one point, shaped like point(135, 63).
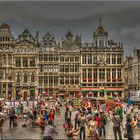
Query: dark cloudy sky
point(121, 19)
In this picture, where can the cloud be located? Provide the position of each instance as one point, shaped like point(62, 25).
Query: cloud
point(134, 33)
point(121, 19)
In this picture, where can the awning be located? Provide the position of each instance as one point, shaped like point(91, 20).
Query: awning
point(105, 89)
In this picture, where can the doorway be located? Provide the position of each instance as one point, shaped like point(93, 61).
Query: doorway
point(25, 95)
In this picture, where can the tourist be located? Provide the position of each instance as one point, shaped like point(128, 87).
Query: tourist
point(120, 112)
point(103, 123)
point(12, 116)
point(93, 133)
point(82, 127)
point(116, 126)
point(76, 119)
point(67, 116)
point(49, 130)
point(98, 120)
point(129, 130)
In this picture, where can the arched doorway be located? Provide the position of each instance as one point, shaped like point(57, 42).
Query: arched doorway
point(25, 95)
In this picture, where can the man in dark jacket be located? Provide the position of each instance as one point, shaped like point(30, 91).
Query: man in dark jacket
point(67, 116)
point(11, 116)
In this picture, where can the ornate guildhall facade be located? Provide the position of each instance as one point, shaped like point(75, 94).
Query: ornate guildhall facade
point(29, 66)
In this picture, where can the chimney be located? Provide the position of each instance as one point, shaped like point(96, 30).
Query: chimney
point(37, 36)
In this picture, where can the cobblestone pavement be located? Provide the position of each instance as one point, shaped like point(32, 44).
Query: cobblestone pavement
point(35, 133)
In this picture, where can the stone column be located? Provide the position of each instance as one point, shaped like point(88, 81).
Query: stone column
point(116, 59)
point(21, 61)
point(7, 90)
point(6, 59)
point(28, 60)
point(111, 59)
point(105, 75)
point(98, 75)
point(86, 59)
point(116, 74)
point(111, 74)
point(86, 75)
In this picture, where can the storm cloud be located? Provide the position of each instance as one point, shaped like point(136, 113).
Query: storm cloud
point(120, 19)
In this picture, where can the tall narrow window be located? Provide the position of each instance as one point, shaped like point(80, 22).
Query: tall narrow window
point(18, 78)
point(108, 75)
point(76, 68)
point(56, 81)
point(32, 62)
point(72, 80)
point(95, 75)
point(62, 80)
point(61, 58)
point(94, 59)
point(25, 78)
point(1, 73)
point(84, 59)
point(89, 58)
point(18, 62)
point(32, 78)
point(77, 58)
point(119, 59)
point(9, 59)
point(114, 74)
point(84, 75)
point(25, 62)
point(108, 59)
point(71, 68)
point(119, 74)
point(113, 58)
point(40, 81)
point(61, 68)
point(77, 80)
point(90, 75)
point(66, 80)
point(101, 74)
point(4, 59)
point(66, 68)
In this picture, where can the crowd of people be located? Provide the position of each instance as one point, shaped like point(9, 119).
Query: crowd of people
point(41, 114)
point(88, 121)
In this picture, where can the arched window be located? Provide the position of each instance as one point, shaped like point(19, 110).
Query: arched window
point(18, 62)
point(9, 59)
point(25, 62)
point(25, 77)
point(4, 59)
point(32, 78)
point(18, 77)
